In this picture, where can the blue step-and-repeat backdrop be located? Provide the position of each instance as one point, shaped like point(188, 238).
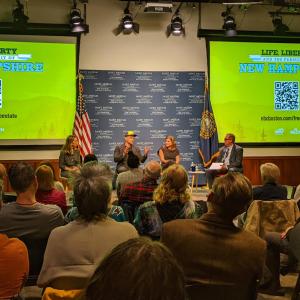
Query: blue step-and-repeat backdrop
point(153, 104)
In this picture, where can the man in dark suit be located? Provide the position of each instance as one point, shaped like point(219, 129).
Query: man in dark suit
point(231, 155)
point(211, 250)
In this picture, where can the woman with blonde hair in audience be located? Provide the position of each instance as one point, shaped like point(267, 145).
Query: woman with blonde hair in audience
point(171, 201)
point(169, 153)
point(271, 189)
point(46, 193)
point(138, 269)
point(57, 184)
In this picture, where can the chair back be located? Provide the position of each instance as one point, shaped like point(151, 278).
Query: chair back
point(36, 249)
point(201, 291)
point(272, 215)
point(130, 208)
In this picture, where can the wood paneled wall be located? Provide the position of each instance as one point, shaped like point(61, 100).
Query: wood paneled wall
point(289, 166)
point(34, 163)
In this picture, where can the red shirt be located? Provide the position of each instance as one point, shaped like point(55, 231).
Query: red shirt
point(52, 197)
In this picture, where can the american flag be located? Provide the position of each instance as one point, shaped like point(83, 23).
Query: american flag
point(82, 124)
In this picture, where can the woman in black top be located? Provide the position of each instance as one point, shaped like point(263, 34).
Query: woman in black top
point(169, 153)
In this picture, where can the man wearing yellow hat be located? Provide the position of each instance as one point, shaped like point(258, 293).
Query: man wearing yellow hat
point(121, 152)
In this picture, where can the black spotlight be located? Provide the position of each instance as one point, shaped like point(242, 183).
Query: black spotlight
point(76, 22)
point(279, 27)
point(19, 17)
point(229, 23)
point(176, 27)
point(127, 25)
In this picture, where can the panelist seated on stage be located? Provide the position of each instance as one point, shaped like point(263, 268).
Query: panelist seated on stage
point(231, 155)
point(121, 152)
point(69, 158)
point(169, 153)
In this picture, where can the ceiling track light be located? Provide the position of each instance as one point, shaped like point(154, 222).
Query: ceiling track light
point(229, 23)
point(176, 27)
point(127, 25)
point(19, 17)
point(77, 23)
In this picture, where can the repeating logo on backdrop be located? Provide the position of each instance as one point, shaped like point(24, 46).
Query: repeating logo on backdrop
point(208, 125)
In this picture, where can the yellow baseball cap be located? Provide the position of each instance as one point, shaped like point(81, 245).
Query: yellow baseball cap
point(130, 133)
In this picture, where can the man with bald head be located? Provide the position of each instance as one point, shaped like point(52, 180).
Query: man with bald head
point(135, 194)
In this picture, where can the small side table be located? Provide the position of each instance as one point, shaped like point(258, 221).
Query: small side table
point(195, 176)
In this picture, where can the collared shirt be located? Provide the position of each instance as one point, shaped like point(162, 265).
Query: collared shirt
point(141, 191)
point(227, 155)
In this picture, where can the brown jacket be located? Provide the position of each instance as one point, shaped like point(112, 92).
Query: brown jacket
point(214, 251)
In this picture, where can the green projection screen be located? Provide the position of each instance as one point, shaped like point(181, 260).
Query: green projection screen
point(37, 90)
point(254, 90)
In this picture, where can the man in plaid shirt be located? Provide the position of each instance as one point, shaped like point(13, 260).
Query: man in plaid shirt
point(142, 191)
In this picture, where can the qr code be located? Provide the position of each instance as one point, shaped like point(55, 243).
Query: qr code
point(286, 95)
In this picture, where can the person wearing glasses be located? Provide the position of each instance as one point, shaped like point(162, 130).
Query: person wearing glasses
point(231, 155)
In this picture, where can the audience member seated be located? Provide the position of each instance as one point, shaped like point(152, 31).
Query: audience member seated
point(218, 252)
point(287, 242)
point(14, 266)
point(57, 184)
point(136, 193)
point(271, 189)
point(26, 218)
point(134, 173)
point(75, 250)
point(137, 269)
point(90, 158)
point(171, 201)
point(114, 211)
point(46, 193)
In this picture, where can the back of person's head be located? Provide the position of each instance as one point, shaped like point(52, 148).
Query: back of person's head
point(92, 191)
point(152, 170)
point(21, 175)
point(133, 161)
point(230, 195)
point(45, 178)
point(2, 171)
point(270, 173)
point(173, 185)
point(89, 158)
point(138, 269)
point(49, 164)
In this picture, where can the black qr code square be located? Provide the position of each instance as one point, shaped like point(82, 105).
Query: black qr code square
point(286, 95)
